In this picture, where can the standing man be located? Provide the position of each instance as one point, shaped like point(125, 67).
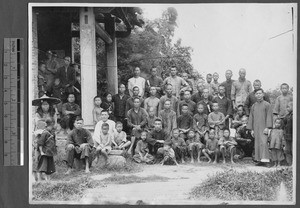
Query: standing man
point(137, 80)
point(215, 83)
point(119, 101)
point(187, 101)
point(178, 84)
point(154, 81)
point(260, 122)
point(51, 68)
point(152, 101)
point(240, 89)
point(67, 75)
point(130, 100)
point(251, 99)
point(195, 81)
point(136, 120)
point(228, 84)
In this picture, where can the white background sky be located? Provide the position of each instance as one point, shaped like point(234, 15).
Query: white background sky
point(234, 36)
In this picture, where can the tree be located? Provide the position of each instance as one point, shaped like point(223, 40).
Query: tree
point(153, 45)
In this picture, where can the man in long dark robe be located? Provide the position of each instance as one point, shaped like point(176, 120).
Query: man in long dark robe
point(260, 121)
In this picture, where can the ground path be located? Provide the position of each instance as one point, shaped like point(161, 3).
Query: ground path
point(181, 180)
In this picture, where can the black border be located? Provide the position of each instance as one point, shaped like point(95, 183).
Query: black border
point(14, 183)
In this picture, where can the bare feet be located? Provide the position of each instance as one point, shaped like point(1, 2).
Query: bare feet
point(192, 161)
point(87, 171)
point(182, 161)
point(199, 161)
point(209, 161)
point(224, 161)
point(232, 162)
point(215, 162)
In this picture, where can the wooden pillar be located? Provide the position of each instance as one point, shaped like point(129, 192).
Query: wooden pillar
point(88, 64)
point(111, 56)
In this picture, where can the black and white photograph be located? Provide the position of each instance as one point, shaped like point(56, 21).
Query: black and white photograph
point(162, 104)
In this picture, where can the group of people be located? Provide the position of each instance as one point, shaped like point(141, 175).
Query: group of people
point(171, 120)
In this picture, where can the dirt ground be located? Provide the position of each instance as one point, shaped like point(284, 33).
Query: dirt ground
point(175, 190)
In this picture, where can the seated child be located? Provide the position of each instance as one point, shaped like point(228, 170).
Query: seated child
point(142, 151)
point(97, 110)
point(179, 145)
point(120, 139)
point(169, 154)
point(194, 145)
point(244, 139)
point(184, 121)
point(200, 123)
point(276, 143)
point(103, 144)
point(237, 121)
point(216, 120)
point(211, 148)
point(288, 134)
point(46, 146)
point(227, 145)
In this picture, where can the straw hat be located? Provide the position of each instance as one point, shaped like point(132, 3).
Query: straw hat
point(50, 100)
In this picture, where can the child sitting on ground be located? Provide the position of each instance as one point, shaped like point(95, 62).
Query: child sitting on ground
point(169, 154)
point(103, 144)
point(97, 110)
point(46, 145)
point(194, 145)
point(211, 148)
point(120, 139)
point(276, 143)
point(216, 120)
point(227, 145)
point(142, 151)
point(179, 145)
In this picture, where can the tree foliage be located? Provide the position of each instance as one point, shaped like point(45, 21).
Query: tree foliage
point(153, 45)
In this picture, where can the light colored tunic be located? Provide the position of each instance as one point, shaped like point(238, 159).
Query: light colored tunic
point(259, 119)
point(240, 90)
point(140, 82)
point(177, 83)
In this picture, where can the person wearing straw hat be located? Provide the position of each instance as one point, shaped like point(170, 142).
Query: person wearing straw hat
point(44, 111)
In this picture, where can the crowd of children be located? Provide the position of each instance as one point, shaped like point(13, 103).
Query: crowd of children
point(169, 122)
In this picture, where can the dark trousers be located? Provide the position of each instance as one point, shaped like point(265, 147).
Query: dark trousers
point(73, 152)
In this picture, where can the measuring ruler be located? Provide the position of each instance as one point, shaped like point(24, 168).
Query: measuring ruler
point(13, 101)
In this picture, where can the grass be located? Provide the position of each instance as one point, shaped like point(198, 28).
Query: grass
point(121, 179)
point(69, 190)
point(233, 185)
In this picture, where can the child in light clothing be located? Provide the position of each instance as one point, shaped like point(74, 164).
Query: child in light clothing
point(142, 151)
point(120, 138)
point(46, 145)
point(200, 123)
point(97, 110)
point(277, 143)
point(103, 142)
point(169, 154)
point(194, 145)
point(227, 145)
point(281, 102)
point(211, 148)
point(216, 120)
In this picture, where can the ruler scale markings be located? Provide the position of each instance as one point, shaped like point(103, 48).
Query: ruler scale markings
point(12, 101)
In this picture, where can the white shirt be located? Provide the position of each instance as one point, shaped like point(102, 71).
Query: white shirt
point(98, 129)
point(140, 82)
